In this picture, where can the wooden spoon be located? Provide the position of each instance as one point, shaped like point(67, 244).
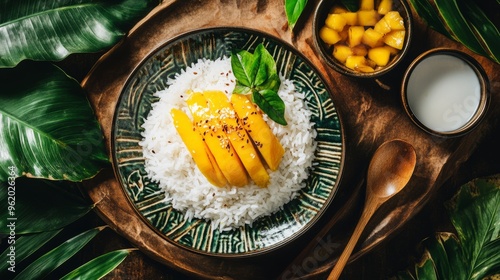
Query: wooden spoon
point(389, 171)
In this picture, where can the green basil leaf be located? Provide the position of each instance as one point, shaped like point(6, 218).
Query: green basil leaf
point(48, 127)
point(245, 67)
point(25, 245)
point(272, 83)
point(51, 30)
point(293, 10)
point(267, 75)
point(271, 104)
point(241, 89)
point(44, 265)
point(39, 205)
point(100, 266)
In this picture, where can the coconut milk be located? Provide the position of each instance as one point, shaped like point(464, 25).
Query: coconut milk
point(443, 92)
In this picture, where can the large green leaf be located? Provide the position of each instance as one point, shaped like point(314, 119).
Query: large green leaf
point(50, 30)
point(98, 267)
point(473, 252)
point(37, 205)
point(44, 265)
point(23, 247)
point(47, 127)
point(293, 10)
point(463, 21)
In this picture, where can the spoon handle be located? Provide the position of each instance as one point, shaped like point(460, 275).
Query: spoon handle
point(344, 257)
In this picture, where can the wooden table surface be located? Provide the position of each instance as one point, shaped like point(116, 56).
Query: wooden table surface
point(392, 255)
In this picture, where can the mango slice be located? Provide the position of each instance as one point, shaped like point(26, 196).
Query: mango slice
point(266, 142)
point(197, 148)
point(212, 133)
point(241, 142)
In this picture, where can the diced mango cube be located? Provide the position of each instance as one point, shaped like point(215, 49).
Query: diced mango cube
point(355, 35)
point(355, 62)
point(350, 17)
point(366, 5)
point(329, 36)
point(395, 39)
point(379, 55)
point(341, 52)
point(335, 22)
point(360, 50)
point(372, 38)
point(382, 26)
point(367, 18)
point(395, 20)
point(384, 6)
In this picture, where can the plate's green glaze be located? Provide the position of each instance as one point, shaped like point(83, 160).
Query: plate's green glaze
point(267, 232)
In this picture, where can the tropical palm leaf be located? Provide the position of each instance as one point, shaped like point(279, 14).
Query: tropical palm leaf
point(472, 253)
point(24, 247)
point(51, 30)
point(47, 127)
point(39, 206)
point(44, 265)
point(463, 21)
point(99, 267)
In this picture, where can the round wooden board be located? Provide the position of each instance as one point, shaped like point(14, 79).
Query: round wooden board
point(371, 115)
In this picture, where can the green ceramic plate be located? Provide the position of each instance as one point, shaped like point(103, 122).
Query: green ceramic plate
point(268, 232)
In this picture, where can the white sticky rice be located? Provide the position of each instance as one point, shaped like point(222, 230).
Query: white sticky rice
point(169, 163)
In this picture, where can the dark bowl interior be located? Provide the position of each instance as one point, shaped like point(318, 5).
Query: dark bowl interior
point(325, 50)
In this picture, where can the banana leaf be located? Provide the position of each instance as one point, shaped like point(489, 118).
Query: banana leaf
point(47, 127)
point(98, 267)
point(471, 253)
point(51, 30)
point(463, 21)
point(44, 265)
point(39, 206)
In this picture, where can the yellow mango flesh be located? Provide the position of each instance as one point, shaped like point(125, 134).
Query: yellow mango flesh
point(395, 39)
point(241, 142)
point(329, 35)
point(355, 35)
point(335, 22)
point(266, 142)
point(211, 130)
point(197, 148)
point(384, 7)
point(379, 55)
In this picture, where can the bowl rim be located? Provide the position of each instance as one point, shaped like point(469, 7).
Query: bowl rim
point(484, 100)
point(337, 66)
point(257, 252)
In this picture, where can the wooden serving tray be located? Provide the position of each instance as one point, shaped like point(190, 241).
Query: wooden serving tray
point(370, 111)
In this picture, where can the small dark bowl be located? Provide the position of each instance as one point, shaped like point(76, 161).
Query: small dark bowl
point(445, 115)
point(325, 50)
